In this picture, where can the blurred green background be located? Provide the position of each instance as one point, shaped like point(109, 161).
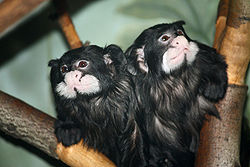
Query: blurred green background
point(26, 51)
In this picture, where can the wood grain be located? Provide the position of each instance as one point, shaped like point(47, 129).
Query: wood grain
point(232, 37)
point(81, 156)
point(220, 139)
point(24, 122)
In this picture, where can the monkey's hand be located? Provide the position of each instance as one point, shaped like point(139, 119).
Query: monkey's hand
point(214, 92)
point(214, 83)
point(67, 132)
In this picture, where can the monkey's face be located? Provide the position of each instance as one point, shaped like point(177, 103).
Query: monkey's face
point(80, 72)
point(163, 48)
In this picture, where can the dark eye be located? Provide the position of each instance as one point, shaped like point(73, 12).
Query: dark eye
point(179, 32)
point(64, 69)
point(164, 38)
point(82, 64)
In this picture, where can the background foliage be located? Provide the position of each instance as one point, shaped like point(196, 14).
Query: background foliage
point(27, 50)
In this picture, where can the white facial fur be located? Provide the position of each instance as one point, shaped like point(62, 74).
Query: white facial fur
point(74, 82)
point(180, 49)
point(193, 50)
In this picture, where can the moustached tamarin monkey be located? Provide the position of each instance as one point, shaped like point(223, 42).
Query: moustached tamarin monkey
point(177, 81)
point(95, 101)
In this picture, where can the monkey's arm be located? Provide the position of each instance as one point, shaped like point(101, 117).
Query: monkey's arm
point(67, 131)
point(213, 73)
point(16, 115)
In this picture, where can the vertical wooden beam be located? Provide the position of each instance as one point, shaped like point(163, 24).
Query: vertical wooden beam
point(220, 139)
point(221, 23)
point(236, 42)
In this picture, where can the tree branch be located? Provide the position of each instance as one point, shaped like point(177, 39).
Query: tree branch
point(236, 41)
point(66, 25)
point(81, 156)
point(24, 122)
point(12, 11)
point(220, 139)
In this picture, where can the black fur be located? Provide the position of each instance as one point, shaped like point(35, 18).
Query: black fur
point(105, 120)
point(173, 105)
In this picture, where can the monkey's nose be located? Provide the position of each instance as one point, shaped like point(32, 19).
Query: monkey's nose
point(180, 41)
point(76, 74)
point(78, 77)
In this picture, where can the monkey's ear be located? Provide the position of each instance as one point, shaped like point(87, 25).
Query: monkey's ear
point(136, 60)
point(141, 59)
point(53, 63)
point(107, 59)
point(179, 23)
point(114, 54)
point(131, 57)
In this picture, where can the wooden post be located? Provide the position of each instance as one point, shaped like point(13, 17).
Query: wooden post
point(220, 139)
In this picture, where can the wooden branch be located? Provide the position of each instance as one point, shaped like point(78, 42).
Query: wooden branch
point(220, 139)
point(66, 24)
point(79, 156)
point(232, 38)
point(221, 23)
point(12, 11)
point(24, 122)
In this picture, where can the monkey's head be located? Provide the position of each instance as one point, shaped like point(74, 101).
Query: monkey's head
point(161, 48)
point(86, 71)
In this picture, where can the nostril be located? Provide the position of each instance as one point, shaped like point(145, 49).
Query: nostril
point(76, 75)
point(177, 43)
